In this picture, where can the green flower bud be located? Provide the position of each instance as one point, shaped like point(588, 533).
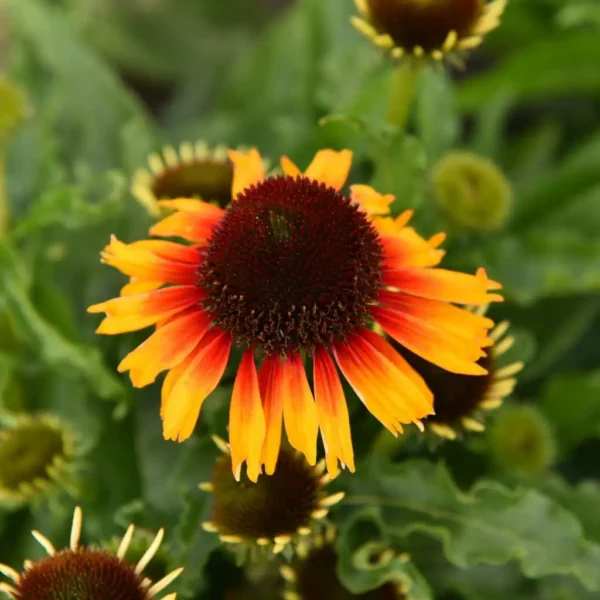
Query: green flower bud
point(472, 191)
point(521, 441)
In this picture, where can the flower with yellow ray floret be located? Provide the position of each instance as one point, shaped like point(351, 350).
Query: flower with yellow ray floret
point(293, 271)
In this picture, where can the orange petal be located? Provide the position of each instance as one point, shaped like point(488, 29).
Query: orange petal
point(289, 168)
point(246, 420)
point(383, 385)
point(191, 205)
point(248, 169)
point(299, 410)
point(191, 226)
point(333, 413)
point(140, 286)
point(330, 167)
point(270, 381)
point(169, 250)
point(165, 348)
point(451, 352)
point(130, 313)
point(440, 284)
point(408, 249)
point(186, 391)
point(138, 260)
point(370, 200)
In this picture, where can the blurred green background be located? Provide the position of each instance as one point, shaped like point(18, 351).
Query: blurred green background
point(88, 88)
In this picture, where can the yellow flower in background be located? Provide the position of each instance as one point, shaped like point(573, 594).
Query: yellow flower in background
point(84, 572)
point(460, 401)
point(427, 28)
point(293, 271)
point(193, 171)
point(282, 510)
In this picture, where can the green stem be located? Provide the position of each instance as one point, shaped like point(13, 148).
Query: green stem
point(403, 88)
point(4, 208)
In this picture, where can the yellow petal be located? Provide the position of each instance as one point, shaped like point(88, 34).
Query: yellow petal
point(248, 169)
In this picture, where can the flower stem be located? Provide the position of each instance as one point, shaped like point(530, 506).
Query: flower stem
point(4, 208)
point(404, 85)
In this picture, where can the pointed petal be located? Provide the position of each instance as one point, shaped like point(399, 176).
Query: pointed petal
point(144, 260)
point(167, 347)
point(270, 380)
point(330, 167)
point(333, 413)
point(191, 226)
point(248, 169)
point(130, 313)
point(370, 200)
point(381, 383)
point(449, 351)
point(440, 284)
point(409, 249)
point(246, 420)
point(299, 410)
point(140, 286)
point(185, 394)
point(289, 168)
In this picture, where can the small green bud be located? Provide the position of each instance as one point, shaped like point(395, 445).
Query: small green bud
point(521, 441)
point(472, 191)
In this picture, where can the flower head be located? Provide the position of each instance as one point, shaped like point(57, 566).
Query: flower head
point(84, 572)
point(427, 28)
point(37, 457)
point(196, 171)
point(276, 512)
point(461, 400)
point(294, 270)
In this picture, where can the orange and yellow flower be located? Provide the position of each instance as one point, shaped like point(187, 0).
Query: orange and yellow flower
point(293, 271)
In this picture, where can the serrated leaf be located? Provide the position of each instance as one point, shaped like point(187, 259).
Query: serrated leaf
point(571, 401)
point(358, 567)
point(489, 525)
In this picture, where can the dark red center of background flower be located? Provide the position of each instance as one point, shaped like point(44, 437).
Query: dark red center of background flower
point(455, 396)
point(424, 23)
point(209, 180)
point(85, 574)
point(317, 580)
point(292, 265)
point(277, 505)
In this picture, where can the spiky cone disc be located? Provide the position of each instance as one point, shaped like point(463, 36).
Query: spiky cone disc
point(427, 29)
point(461, 402)
point(521, 441)
point(192, 171)
point(275, 514)
point(84, 572)
point(314, 576)
point(38, 458)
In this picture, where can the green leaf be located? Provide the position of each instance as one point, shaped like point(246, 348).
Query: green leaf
point(544, 196)
point(360, 564)
point(400, 169)
point(560, 65)
point(489, 525)
point(571, 403)
point(51, 346)
point(582, 500)
point(437, 117)
point(543, 263)
point(93, 101)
